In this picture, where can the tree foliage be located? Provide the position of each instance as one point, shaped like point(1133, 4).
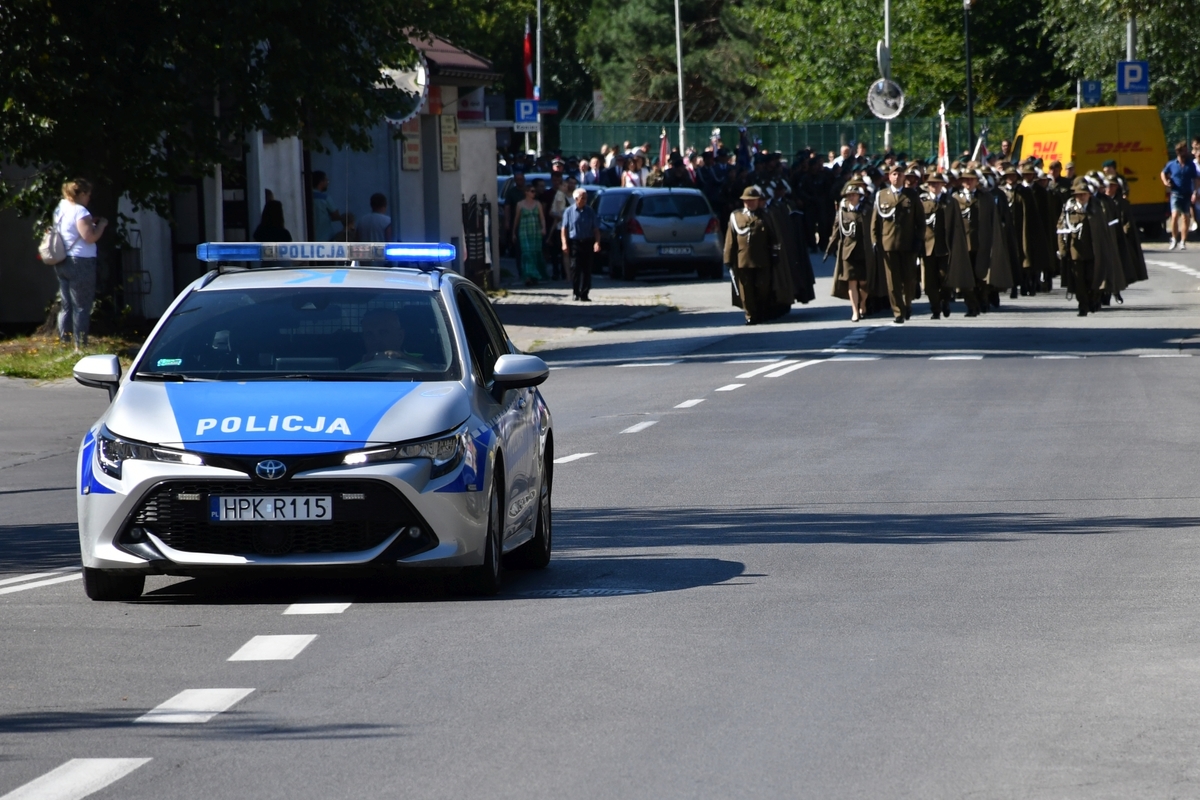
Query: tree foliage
point(137, 94)
point(629, 46)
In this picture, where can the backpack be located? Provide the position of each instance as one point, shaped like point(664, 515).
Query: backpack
point(52, 250)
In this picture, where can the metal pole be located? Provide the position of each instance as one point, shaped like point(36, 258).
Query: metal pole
point(967, 49)
point(679, 70)
point(538, 89)
point(887, 45)
point(1079, 94)
point(1131, 39)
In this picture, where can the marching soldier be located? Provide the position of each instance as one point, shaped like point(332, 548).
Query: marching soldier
point(1086, 247)
point(912, 188)
point(1136, 268)
point(892, 235)
point(852, 243)
point(748, 248)
point(936, 252)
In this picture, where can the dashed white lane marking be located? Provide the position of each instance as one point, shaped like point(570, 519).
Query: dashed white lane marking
point(572, 457)
point(729, 387)
point(74, 576)
point(194, 706)
point(690, 403)
point(649, 364)
point(641, 426)
point(780, 373)
point(1165, 355)
point(755, 360)
point(76, 779)
point(774, 365)
point(1058, 357)
point(1174, 266)
point(273, 648)
point(316, 608)
point(962, 357)
point(35, 575)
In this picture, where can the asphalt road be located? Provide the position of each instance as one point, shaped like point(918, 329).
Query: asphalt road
point(945, 559)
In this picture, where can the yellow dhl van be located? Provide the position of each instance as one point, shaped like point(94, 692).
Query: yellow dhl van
point(1130, 135)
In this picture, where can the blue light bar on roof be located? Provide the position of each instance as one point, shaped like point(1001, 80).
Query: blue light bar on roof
point(423, 253)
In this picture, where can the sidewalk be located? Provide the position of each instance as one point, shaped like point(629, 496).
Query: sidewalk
point(539, 316)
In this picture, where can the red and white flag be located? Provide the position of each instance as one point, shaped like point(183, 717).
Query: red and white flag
point(664, 149)
point(943, 157)
point(528, 62)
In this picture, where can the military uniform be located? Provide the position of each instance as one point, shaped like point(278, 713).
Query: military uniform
point(749, 242)
point(892, 234)
point(936, 252)
point(1077, 245)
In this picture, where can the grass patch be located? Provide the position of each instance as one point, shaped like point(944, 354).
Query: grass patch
point(44, 358)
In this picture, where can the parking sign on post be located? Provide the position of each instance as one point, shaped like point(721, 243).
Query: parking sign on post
point(1133, 83)
point(525, 116)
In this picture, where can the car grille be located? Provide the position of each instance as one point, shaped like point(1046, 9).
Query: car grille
point(177, 513)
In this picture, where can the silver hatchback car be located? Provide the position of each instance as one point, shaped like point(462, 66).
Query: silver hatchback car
point(317, 418)
point(672, 229)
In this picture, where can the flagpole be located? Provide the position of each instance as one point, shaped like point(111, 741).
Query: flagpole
point(537, 90)
point(679, 71)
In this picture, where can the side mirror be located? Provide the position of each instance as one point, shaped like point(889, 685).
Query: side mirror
point(518, 371)
point(100, 372)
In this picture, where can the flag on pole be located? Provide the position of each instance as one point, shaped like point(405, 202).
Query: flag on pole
point(664, 149)
point(943, 157)
point(981, 151)
point(528, 62)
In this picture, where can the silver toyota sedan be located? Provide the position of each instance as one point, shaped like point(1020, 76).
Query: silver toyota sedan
point(329, 417)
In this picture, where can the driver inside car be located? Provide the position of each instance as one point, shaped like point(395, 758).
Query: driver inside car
point(383, 338)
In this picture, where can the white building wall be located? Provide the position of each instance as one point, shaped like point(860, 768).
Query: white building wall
point(154, 234)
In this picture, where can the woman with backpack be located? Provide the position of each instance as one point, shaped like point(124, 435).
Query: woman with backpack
point(77, 272)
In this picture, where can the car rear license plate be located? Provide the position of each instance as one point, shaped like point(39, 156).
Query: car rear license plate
point(282, 508)
point(674, 251)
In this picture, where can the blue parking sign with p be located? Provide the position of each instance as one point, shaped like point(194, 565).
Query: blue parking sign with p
point(526, 111)
point(1133, 77)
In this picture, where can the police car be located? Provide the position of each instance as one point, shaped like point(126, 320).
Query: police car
point(321, 416)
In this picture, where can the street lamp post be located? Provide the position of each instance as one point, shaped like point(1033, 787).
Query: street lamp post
point(679, 69)
point(967, 47)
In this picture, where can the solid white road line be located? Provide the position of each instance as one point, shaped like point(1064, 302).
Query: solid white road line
point(649, 364)
point(856, 358)
point(572, 457)
point(962, 357)
point(1165, 355)
point(755, 360)
point(793, 368)
point(768, 368)
point(76, 779)
point(729, 387)
point(194, 705)
point(690, 403)
point(35, 575)
point(316, 608)
point(1058, 357)
point(273, 648)
point(641, 426)
point(74, 576)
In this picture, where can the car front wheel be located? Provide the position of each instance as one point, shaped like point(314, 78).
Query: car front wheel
point(485, 579)
point(535, 554)
point(100, 585)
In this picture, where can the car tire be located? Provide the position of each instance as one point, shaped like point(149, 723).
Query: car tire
point(486, 579)
point(535, 554)
point(100, 585)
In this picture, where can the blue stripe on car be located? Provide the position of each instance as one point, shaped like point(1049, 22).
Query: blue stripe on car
point(87, 479)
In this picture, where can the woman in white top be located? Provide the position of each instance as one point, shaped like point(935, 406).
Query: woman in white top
point(77, 273)
point(631, 178)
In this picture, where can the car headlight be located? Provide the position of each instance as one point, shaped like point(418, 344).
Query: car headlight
point(446, 452)
point(112, 451)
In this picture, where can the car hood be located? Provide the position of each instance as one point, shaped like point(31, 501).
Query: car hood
point(285, 417)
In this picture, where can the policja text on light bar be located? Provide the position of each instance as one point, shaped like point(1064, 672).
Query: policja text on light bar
point(410, 252)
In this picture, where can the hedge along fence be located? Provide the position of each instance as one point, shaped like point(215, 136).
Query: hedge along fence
point(917, 137)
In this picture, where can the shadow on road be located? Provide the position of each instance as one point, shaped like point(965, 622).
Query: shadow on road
point(230, 724)
point(595, 529)
point(29, 548)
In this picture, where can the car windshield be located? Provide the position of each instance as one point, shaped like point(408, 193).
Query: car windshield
point(608, 204)
point(331, 333)
point(672, 205)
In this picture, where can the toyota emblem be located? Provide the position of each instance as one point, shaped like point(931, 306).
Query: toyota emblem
point(270, 470)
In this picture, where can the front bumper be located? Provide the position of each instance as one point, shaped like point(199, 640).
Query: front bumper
point(155, 518)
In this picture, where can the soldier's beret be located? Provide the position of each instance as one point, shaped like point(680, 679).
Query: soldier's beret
point(1109, 163)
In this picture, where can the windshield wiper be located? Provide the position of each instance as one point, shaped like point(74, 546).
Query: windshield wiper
point(168, 376)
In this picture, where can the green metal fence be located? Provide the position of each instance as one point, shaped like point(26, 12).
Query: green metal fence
point(917, 137)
